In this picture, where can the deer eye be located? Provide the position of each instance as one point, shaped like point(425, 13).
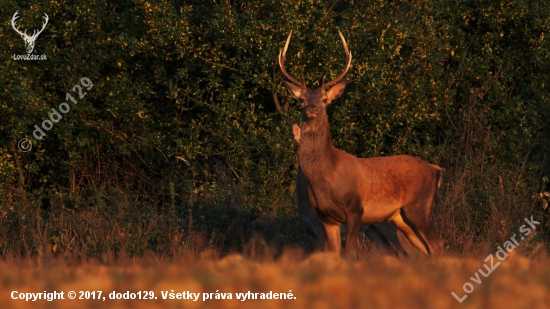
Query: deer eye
point(325, 100)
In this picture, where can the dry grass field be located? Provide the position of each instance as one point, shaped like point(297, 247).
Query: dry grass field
point(316, 281)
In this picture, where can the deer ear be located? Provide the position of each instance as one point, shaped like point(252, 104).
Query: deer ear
point(336, 91)
point(294, 90)
point(296, 132)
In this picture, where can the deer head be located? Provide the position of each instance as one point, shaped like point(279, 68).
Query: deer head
point(314, 101)
point(29, 40)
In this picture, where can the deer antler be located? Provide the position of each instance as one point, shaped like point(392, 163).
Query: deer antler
point(17, 29)
point(348, 62)
point(34, 33)
point(43, 26)
point(282, 56)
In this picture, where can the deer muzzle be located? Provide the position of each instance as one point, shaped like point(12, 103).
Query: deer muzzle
point(311, 111)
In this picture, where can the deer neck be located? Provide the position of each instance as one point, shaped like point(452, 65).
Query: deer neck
point(315, 151)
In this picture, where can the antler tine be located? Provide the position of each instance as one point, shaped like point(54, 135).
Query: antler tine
point(348, 63)
point(282, 56)
point(47, 18)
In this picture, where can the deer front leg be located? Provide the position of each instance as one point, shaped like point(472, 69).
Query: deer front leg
point(333, 237)
point(352, 234)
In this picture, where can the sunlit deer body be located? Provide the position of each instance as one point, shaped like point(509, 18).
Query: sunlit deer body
point(387, 239)
point(344, 189)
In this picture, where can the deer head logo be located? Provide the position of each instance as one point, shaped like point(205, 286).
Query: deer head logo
point(29, 40)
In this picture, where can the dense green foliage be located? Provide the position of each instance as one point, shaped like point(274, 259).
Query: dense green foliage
point(186, 131)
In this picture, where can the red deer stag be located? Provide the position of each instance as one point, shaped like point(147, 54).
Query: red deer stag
point(344, 189)
point(387, 239)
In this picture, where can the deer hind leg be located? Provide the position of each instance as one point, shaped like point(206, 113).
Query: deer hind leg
point(381, 239)
point(401, 225)
point(421, 221)
point(395, 242)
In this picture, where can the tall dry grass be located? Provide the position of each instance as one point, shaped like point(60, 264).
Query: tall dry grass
point(317, 281)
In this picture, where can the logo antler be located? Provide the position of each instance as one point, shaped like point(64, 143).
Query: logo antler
point(29, 40)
